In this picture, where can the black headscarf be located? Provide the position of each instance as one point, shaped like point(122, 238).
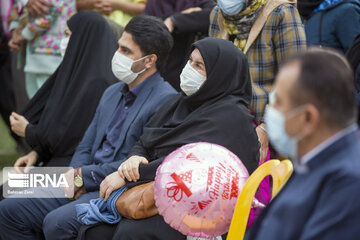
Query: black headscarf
point(217, 113)
point(64, 106)
point(306, 7)
point(165, 8)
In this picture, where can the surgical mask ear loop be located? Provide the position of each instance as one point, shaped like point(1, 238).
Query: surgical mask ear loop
point(300, 135)
point(138, 61)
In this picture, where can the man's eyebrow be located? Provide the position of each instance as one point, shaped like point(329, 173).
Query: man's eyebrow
point(124, 48)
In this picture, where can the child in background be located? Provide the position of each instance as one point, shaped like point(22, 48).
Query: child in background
point(41, 36)
point(119, 11)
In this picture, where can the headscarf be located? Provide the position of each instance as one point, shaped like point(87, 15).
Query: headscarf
point(241, 24)
point(64, 106)
point(217, 113)
point(166, 8)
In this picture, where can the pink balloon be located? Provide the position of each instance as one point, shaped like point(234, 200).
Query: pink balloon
point(196, 189)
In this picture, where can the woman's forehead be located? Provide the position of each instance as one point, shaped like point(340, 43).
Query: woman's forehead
point(196, 55)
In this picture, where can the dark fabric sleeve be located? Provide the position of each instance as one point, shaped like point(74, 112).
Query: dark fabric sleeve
point(30, 135)
point(193, 22)
point(147, 173)
point(139, 150)
point(4, 49)
point(337, 208)
point(94, 174)
point(44, 154)
point(2, 32)
point(82, 155)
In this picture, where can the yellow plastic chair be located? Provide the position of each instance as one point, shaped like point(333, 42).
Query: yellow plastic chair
point(280, 172)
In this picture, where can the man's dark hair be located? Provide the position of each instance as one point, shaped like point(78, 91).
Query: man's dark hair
point(327, 81)
point(153, 37)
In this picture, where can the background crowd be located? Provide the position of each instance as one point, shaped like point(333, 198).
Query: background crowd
point(61, 99)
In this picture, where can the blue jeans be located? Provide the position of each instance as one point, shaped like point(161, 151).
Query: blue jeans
point(33, 218)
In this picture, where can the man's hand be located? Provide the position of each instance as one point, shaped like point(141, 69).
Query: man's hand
point(69, 176)
point(79, 192)
point(103, 6)
point(26, 161)
point(38, 7)
point(264, 142)
point(111, 183)
point(18, 124)
point(130, 168)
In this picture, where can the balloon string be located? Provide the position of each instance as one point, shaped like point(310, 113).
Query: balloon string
point(175, 190)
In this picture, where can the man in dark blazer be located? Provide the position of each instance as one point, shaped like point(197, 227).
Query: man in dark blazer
point(312, 119)
point(123, 110)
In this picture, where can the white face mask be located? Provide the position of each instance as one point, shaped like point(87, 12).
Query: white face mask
point(190, 80)
point(121, 67)
point(230, 7)
point(275, 123)
point(63, 45)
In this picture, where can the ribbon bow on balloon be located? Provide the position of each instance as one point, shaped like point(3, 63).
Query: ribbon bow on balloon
point(177, 189)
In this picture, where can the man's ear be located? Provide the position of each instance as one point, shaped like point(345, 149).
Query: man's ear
point(150, 61)
point(312, 119)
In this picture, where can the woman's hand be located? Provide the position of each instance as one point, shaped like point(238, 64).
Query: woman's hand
point(38, 7)
point(18, 124)
point(111, 183)
point(13, 45)
point(264, 142)
point(26, 161)
point(130, 168)
point(17, 39)
point(191, 10)
point(169, 24)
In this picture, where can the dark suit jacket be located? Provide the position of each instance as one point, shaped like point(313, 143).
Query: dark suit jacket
point(322, 202)
point(148, 101)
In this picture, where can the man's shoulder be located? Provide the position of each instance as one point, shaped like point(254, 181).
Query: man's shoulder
point(345, 163)
point(282, 11)
point(161, 91)
point(113, 89)
point(350, 163)
point(165, 88)
point(161, 87)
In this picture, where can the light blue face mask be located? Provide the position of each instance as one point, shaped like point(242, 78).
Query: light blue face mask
point(275, 126)
point(230, 7)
